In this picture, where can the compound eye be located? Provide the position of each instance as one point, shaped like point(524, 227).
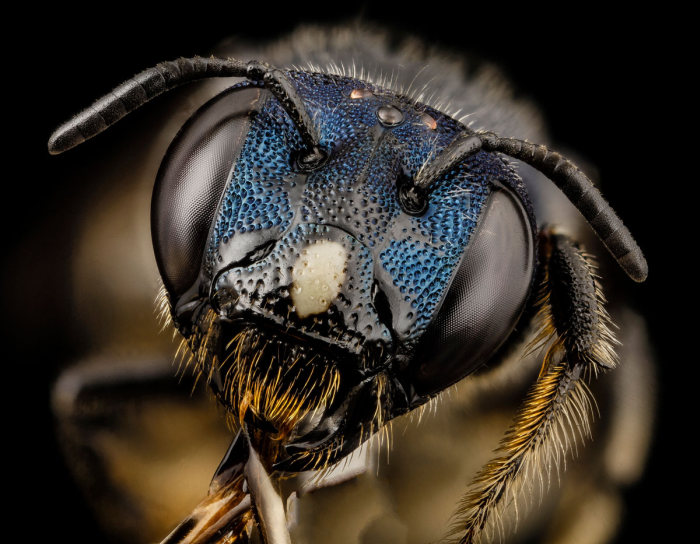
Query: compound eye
point(484, 300)
point(191, 180)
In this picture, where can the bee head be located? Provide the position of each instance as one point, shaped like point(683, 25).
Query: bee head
point(320, 268)
point(336, 253)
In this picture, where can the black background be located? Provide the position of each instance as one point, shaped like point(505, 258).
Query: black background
point(605, 83)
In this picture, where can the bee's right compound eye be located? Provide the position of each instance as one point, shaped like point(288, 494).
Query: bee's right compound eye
point(484, 301)
point(191, 180)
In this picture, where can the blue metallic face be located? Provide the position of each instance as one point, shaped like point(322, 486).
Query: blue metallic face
point(407, 304)
point(352, 198)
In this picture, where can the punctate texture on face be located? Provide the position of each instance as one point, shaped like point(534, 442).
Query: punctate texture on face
point(318, 275)
point(351, 203)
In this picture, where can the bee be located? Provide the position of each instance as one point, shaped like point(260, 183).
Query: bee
point(339, 251)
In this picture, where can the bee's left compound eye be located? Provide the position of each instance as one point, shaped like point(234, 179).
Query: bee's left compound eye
point(484, 300)
point(191, 181)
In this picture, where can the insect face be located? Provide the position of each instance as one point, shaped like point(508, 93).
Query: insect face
point(356, 297)
point(335, 254)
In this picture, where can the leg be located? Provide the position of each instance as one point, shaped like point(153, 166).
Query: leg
point(575, 329)
point(139, 443)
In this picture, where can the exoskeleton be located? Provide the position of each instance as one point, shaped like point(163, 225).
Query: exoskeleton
point(339, 249)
